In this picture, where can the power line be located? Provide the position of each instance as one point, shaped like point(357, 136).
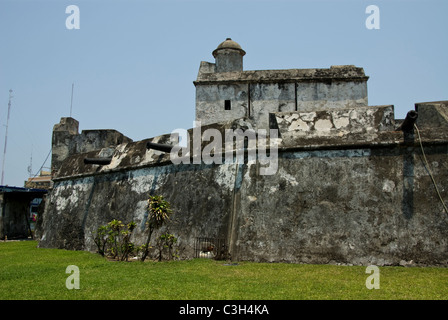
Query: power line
point(429, 170)
point(41, 166)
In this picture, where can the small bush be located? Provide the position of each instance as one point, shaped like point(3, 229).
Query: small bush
point(158, 214)
point(166, 242)
point(114, 240)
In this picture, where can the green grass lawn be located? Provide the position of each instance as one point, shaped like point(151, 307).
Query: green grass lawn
point(27, 272)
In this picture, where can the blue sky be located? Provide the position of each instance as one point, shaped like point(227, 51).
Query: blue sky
point(133, 62)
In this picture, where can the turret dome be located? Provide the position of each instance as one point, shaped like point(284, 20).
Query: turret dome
point(229, 44)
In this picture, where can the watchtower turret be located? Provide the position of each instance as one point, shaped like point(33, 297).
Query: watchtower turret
point(229, 56)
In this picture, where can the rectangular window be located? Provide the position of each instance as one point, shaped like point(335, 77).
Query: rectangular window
point(227, 105)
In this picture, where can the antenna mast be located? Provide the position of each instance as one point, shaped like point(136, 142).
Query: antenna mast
point(6, 136)
point(30, 167)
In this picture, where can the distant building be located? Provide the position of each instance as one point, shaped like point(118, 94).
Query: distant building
point(18, 207)
point(42, 181)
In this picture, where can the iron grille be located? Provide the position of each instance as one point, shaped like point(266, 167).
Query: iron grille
point(211, 248)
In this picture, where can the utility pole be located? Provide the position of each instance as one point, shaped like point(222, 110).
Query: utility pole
point(6, 136)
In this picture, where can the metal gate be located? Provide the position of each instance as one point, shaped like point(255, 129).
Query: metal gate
point(211, 248)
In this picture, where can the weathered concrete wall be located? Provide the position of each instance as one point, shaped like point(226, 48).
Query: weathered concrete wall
point(360, 206)
point(434, 114)
point(77, 207)
point(66, 141)
point(362, 195)
point(228, 60)
point(254, 94)
point(352, 206)
point(335, 95)
point(271, 97)
point(334, 126)
point(210, 102)
point(63, 142)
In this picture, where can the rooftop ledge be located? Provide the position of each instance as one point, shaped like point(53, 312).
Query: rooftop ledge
point(334, 73)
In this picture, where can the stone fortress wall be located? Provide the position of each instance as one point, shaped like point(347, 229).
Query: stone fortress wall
point(351, 183)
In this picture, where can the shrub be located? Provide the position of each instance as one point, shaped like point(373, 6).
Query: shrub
point(158, 214)
point(101, 239)
point(114, 239)
point(165, 242)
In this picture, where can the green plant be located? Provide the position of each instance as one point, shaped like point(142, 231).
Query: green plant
point(114, 239)
point(126, 246)
point(100, 239)
point(114, 232)
point(158, 214)
point(167, 241)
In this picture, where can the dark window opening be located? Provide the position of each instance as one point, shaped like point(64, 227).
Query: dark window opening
point(227, 105)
